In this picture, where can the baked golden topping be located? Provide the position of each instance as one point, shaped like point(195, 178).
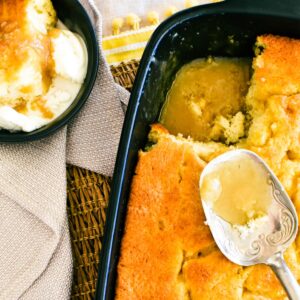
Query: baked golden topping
point(275, 67)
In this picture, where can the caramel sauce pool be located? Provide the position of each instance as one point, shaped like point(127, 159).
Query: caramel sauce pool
point(203, 90)
point(238, 190)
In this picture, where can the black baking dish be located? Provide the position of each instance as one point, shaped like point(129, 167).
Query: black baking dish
point(223, 29)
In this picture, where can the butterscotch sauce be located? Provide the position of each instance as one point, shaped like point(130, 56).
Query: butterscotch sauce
point(48, 65)
point(16, 46)
point(202, 91)
point(14, 36)
point(238, 190)
point(12, 46)
point(40, 104)
point(13, 11)
point(21, 106)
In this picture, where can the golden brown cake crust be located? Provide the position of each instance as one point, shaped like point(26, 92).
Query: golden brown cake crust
point(276, 68)
point(158, 235)
point(167, 250)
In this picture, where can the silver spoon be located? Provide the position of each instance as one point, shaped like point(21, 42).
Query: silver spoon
point(268, 241)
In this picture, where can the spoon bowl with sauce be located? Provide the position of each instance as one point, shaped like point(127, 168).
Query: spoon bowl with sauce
point(250, 215)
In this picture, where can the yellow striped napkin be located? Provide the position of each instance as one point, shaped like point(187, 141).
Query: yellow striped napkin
point(130, 44)
point(127, 45)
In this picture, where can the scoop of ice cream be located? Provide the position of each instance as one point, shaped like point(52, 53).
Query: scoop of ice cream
point(26, 81)
point(40, 15)
point(69, 55)
point(61, 94)
point(12, 120)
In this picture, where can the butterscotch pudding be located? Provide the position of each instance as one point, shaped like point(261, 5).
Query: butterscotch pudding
point(206, 99)
point(167, 250)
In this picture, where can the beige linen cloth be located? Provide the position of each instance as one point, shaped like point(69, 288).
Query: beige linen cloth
point(35, 251)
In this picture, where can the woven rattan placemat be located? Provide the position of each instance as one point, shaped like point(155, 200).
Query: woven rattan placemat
point(88, 195)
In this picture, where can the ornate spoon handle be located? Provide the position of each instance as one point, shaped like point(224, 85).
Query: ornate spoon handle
point(286, 277)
